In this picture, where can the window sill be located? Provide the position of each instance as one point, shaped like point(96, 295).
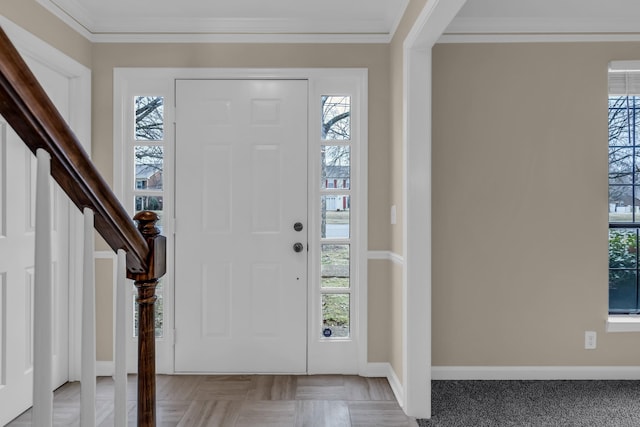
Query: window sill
point(623, 323)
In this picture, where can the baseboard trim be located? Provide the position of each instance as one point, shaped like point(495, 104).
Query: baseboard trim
point(376, 370)
point(386, 370)
point(535, 372)
point(104, 368)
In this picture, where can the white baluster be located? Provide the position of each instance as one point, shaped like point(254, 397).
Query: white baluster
point(120, 358)
point(88, 358)
point(43, 299)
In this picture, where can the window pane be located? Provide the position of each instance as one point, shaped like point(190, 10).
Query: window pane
point(619, 115)
point(149, 164)
point(159, 316)
point(623, 291)
point(335, 315)
point(621, 203)
point(335, 216)
point(336, 117)
point(159, 312)
point(621, 165)
point(336, 161)
point(151, 203)
point(149, 118)
point(334, 266)
point(623, 249)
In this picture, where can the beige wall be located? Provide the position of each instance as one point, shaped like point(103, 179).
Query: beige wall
point(104, 310)
point(34, 18)
point(520, 204)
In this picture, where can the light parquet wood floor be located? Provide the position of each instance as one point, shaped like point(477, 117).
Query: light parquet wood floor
point(245, 401)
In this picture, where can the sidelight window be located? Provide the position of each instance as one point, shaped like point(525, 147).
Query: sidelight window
point(335, 225)
point(147, 149)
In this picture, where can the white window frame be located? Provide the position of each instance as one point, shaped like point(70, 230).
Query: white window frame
point(623, 322)
point(126, 87)
point(347, 356)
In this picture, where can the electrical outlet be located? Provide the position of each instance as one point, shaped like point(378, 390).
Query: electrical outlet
point(589, 340)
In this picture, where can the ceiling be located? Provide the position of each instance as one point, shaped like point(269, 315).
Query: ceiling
point(358, 21)
point(565, 19)
point(232, 20)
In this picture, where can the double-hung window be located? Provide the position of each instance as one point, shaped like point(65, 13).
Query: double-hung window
point(624, 191)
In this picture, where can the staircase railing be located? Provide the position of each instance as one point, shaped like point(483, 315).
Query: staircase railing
point(33, 116)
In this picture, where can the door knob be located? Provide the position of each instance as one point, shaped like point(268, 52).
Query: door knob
point(298, 247)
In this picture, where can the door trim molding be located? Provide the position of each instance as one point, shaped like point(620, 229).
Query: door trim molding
point(144, 79)
point(80, 121)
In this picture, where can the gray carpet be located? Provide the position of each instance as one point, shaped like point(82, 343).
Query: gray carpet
point(535, 403)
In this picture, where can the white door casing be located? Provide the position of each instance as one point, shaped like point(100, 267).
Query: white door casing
point(240, 188)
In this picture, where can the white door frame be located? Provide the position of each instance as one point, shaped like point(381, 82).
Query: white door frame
point(144, 80)
point(80, 121)
point(417, 93)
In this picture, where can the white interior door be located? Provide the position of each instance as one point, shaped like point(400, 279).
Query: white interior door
point(241, 186)
point(17, 222)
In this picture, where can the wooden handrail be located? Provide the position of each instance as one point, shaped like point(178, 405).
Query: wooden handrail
point(32, 115)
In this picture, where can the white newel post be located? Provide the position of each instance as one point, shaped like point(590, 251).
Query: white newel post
point(120, 357)
point(43, 298)
point(88, 358)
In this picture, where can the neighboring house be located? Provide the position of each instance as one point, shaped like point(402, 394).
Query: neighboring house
point(148, 177)
point(624, 204)
point(337, 177)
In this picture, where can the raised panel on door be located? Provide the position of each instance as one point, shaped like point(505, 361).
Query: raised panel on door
point(16, 270)
point(241, 290)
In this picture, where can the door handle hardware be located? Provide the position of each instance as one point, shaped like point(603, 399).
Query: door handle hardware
point(298, 247)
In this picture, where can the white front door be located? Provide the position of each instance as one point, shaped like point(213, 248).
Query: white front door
point(17, 230)
point(241, 188)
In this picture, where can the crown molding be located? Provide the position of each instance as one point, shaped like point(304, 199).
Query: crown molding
point(537, 38)
point(540, 30)
point(547, 25)
point(240, 38)
point(233, 26)
point(225, 30)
